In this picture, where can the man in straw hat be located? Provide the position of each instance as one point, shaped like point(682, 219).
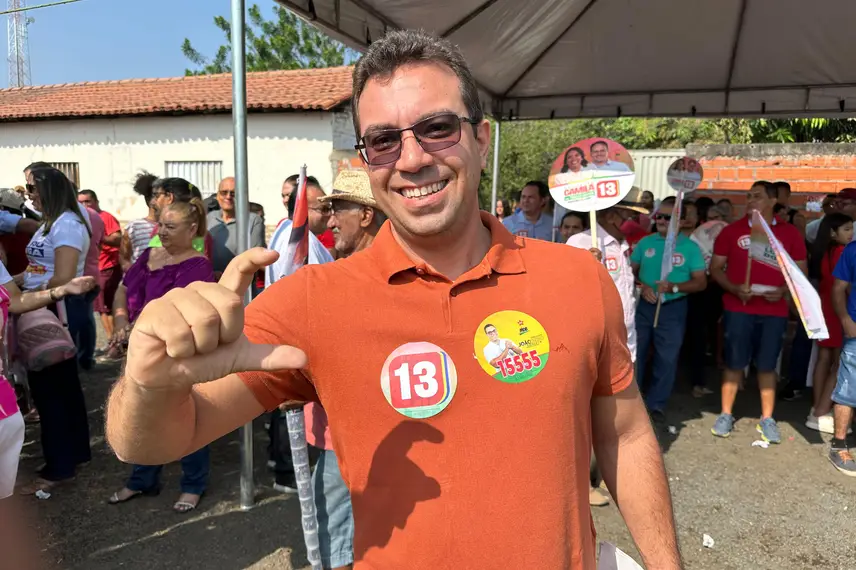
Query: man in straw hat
point(385, 339)
point(355, 222)
point(356, 216)
point(614, 252)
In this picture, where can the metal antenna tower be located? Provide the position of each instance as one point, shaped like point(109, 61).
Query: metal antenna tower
point(19, 44)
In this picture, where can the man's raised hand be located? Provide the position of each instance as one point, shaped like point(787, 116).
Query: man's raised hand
point(196, 334)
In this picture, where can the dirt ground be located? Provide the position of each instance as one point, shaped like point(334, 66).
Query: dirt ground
point(779, 508)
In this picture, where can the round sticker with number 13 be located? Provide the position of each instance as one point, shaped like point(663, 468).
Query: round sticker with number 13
point(419, 380)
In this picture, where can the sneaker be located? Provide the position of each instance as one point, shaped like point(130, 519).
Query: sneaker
point(701, 391)
point(823, 424)
point(598, 497)
point(769, 430)
point(284, 489)
point(843, 461)
point(723, 425)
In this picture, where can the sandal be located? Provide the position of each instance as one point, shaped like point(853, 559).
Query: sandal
point(40, 484)
point(116, 498)
point(183, 507)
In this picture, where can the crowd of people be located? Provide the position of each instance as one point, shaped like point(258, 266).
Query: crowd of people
point(724, 297)
point(401, 307)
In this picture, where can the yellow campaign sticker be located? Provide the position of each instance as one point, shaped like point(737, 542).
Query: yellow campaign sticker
point(511, 346)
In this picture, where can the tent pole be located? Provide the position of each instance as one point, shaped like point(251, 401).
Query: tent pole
point(242, 207)
point(495, 169)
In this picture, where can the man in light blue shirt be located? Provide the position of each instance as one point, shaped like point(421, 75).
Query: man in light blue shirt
point(531, 221)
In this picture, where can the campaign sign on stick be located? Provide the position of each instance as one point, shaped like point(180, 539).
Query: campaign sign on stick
point(685, 175)
point(590, 175)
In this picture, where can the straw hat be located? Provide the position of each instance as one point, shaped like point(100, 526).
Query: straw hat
point(352, 186)
point(633, 202)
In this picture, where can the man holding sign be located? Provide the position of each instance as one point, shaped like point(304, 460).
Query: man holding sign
point(687, 276)
point(755, 304)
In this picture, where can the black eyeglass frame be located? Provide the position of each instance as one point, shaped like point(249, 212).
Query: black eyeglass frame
point(362, 148)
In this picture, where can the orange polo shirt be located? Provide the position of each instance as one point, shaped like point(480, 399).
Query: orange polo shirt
point(459, 411)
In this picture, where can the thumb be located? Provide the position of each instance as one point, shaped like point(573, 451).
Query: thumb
point(250, 357)
point(241, 270)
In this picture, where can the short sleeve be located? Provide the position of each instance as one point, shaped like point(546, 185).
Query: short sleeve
point(614, 363)
point(8, 222)
point(797, 250)
point(111, 224)
point(696, 258)
point(266, 323)
point(636, 254)
point(722, 245)
point(68, 231)
point(844, 268)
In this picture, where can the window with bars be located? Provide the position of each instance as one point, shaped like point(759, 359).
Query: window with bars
point(70, 169)
point(204, 174)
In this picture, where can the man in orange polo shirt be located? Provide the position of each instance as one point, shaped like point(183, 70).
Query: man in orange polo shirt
point(390, 341)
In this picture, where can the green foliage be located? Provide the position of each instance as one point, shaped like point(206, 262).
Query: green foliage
point(803, 130)
point(285, 42)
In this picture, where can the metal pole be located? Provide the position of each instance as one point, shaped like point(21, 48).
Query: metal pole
point(495, 170)
point(242, 207)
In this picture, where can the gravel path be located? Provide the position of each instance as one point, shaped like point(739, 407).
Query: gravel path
point(779, 508)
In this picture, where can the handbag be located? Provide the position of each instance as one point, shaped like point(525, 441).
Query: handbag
point(43, 340)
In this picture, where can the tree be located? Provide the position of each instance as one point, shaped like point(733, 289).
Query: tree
point(285, 42)
point(803, 130)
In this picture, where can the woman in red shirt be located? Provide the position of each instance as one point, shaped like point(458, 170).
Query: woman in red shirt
point(836, 231)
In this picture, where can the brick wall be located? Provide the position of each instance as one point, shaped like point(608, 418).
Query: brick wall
point(812, 170)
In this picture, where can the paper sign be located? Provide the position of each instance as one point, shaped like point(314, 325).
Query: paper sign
point(705, 236)
point(805, 296)
point(685, 175)
point(592, 174)
point(609, 557)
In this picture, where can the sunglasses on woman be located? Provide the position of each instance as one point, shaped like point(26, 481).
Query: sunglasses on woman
point(433, 134)
point(664, 217)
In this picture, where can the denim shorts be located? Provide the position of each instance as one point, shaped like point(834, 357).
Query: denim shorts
point(845, 388)
point(335, 519)
point(751, 338)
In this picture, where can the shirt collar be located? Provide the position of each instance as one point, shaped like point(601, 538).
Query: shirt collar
point(503, 256)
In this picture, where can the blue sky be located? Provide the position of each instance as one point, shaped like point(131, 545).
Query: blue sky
point(96, 40)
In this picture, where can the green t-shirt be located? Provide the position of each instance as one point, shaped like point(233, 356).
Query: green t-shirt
point(687, 259)
point(198, 243)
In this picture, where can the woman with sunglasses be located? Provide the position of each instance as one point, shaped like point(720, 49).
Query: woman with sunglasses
point(165, 191)
point(56, 254)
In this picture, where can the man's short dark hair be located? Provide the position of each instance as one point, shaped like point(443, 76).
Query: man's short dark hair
point(292, 179)
point(543, 190)
point(292, 198)
point(488, 326)
point(595, 143)
point(402, 47)
point(769, 188)
point(782, 185)
point(38, 164)
point(90, 193)
point(668, 201)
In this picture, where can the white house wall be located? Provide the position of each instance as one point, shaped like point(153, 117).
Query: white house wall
point(110, 152)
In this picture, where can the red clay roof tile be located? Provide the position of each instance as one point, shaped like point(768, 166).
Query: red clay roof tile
point(309, 89)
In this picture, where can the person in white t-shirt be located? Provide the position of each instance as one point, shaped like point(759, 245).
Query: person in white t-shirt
point(498, 348)
point(614, 252)
point(56, 255)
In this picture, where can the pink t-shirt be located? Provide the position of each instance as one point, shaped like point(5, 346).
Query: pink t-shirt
point(8, 401)
point(90, 267)
point(317, 426)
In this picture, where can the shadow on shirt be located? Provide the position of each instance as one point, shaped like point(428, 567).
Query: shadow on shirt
point(395, 484)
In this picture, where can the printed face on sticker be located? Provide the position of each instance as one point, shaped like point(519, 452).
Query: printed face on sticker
point(511, 346)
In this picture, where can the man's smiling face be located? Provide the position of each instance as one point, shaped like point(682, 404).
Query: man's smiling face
point(424, 194)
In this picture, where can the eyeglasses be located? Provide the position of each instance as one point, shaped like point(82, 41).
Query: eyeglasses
point(433, 134)
point(225, 193)
point(664, 217)
point(31, 188)
point(325, 210)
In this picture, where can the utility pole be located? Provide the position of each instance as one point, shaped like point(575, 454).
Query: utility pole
point(19, 44)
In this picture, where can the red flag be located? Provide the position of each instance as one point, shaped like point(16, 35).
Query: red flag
point(297, 250)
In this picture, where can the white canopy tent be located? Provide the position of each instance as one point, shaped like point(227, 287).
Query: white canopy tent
point(539, 59)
